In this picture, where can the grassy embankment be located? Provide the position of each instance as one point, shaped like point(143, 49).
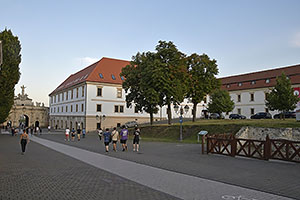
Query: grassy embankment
point(166, 133)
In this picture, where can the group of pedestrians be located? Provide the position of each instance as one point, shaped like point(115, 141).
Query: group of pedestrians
point(73, 132)
point(115, 136)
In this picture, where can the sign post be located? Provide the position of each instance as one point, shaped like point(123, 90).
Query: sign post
point(203, 134)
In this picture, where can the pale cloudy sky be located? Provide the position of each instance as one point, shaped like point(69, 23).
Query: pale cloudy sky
point(60, 37)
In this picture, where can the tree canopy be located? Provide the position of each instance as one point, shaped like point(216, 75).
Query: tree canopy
point(9, 71)
point(220, 102)
point(282, 96)
point(202, 79)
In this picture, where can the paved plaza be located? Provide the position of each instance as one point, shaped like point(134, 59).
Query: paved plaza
point(55, 169)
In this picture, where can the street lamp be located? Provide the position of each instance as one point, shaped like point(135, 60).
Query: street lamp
point(181, 111)
point(100, 118)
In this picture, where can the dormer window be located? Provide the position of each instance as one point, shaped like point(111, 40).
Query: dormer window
point(240, 84)
point(100, 75)
point(253, 82)
point(122, 78)
point(113, 77)
point(267, 80)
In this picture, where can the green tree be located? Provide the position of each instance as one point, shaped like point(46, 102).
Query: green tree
point(202, 81)
point(9, 71)
point(140, 84)
point(220, 102)
point(171, 75)
point(282, 96)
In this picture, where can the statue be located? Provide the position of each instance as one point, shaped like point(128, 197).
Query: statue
point(23, 90)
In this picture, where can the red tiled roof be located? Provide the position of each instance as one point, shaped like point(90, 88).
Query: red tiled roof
point(230, 83)
point(106, 66)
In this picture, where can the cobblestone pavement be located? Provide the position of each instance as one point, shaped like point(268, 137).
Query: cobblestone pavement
point(46, 174)
point(281, 178)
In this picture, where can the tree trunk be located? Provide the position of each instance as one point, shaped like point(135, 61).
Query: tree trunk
point(169, 114)
point(151, 118)
point(194, 111)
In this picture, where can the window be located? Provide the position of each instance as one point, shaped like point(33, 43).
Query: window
point(54, 109)
point(58, 97)
point(66, 108)
point(267, 80)
point(136, 110)
point(113, 77)
point(239, 111)
point(62, 109)
point(66, 95)
point(239, 98)
point(119, 92)
point(72, 94)
point(267, 110)
point(55, 99)
point(122, 78)
point(228, 86)
point(252, 111)
point(82, 108)
point(51, 110)
point(99, 107)
point(71, 108)
point(82, 91)
point(240, 84)
point(58, 109)
point(77, 91)
point(119, 109)
point(101, 75)
point(98, 125)
point(227, 113)
point(51, 100)
point(63, 96)
point(99, 92)
point(253, 82)
point(76, 107)
point(252, 97)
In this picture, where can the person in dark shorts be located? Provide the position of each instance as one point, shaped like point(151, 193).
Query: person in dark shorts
point(124, 137)
point(73, 134)
point(78, 133)
point(106, 138)
point(136, 139)
point(115, 138)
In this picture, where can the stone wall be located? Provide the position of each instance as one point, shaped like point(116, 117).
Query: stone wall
point(274, 133)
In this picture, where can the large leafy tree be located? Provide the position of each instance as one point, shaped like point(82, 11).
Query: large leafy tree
point(282, 96)
point(140, 83)
point(9, 71)
point(170, 73)
point(202, 73)
point(220, 102)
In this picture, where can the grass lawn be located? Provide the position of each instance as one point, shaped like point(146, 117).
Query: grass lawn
point(170, 133)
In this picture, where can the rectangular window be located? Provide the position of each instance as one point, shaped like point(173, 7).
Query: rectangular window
point(66, 108)
point(121, 109)
point(239, 111)
point(51, 100)
point(98, 125)
point(252, 97)
point(71, 108)
point(267, 110)
point(252, 111)
point(67, 95)
point(119, 92)
point(51, 110)
point(99, 107)
point(239, 98)
point(72, 94)
point(77, 91)
point(116, 108)
point(62, 109)
point(99, 92)
point(82, 108)
point(82, 91)
point(54, 109)
point(58, 96)
point(76, 107)
point(63, 96)
point(55, 99)
point(58, 109)
point(136, 110)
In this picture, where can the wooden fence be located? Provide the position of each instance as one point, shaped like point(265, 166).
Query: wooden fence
point(261, 149)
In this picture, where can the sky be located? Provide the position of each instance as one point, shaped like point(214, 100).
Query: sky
point(61, 37)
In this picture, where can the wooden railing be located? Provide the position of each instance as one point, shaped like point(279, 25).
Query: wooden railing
point(269, 149)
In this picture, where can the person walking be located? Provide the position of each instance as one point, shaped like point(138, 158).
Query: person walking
point(31, 131)
point(67, 133)
point(106, 138)
point(78, 133)
point(100, 133)
point(37, 130)
point(115, 138)
point(12, 131)
point(83, 133)
point(73, 134)
point(136, 139)
point(24, 139)
point(49, 128)
point(124, 137)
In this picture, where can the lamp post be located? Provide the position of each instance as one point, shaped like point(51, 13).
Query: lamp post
point(181, 111)
point(100, 118)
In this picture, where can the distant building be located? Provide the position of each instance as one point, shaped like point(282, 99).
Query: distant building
point(249, 91)
point(25, 113)
point(85, 97)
